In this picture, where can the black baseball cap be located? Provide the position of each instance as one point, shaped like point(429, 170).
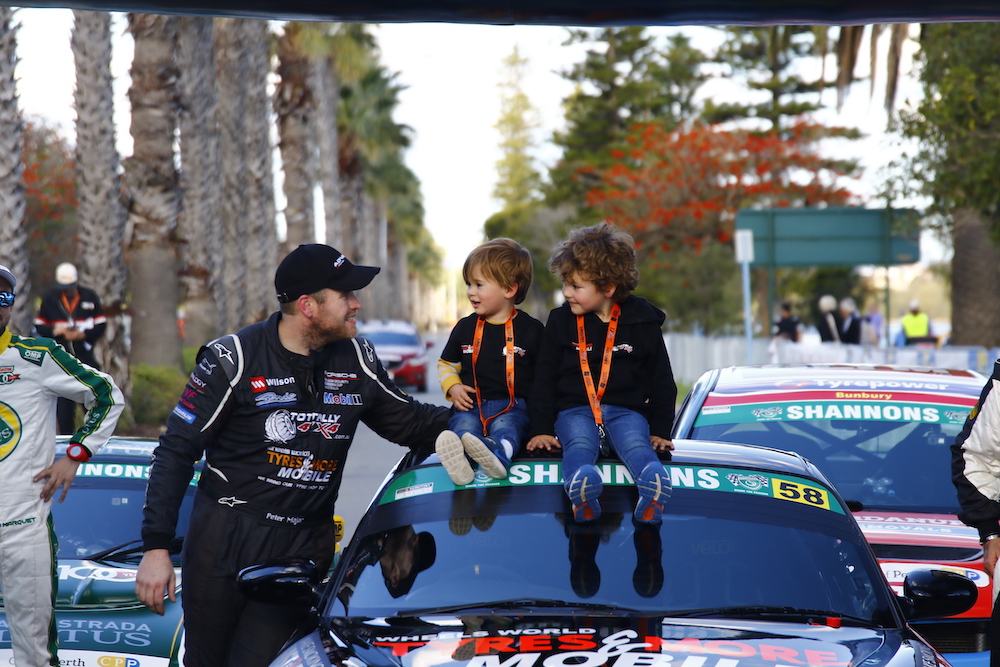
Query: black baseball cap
point(314, 266)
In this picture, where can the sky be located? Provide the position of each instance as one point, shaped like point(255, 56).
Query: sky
point(451, 101)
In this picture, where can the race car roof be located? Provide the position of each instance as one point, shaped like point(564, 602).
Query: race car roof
point(568, 12)
point(856, 376)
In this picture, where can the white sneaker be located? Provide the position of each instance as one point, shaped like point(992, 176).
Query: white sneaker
point(451, 451)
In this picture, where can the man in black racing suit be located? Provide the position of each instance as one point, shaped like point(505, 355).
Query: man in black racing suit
point(274, 409)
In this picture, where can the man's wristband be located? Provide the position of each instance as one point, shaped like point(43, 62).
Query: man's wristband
point(991, 536)
point(78, 452)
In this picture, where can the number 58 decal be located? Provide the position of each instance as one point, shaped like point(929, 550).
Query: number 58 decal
point(801, 493)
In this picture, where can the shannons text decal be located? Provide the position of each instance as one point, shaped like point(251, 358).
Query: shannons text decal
point(122, 471)
point(783, 410)
point(729, 480)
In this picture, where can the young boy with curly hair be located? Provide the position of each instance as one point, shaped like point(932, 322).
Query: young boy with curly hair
point(604, 374)
point(488, 364)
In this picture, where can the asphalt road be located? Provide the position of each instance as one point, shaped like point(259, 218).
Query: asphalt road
point(371, 458)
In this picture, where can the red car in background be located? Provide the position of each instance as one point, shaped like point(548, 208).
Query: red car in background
point(402, 351)
point(882, 435)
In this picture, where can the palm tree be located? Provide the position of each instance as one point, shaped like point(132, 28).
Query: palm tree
point(12, 232)
point(232, 73)
point(263, 253)
point(295, 107)
point(340, 53)
point(199, 225)
point(153, 186)
point(975, 254)
point(373, 143)
point(100, 209)
point(325, 83)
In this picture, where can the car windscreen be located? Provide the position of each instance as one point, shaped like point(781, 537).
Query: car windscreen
point(884, 453)
point(729, 538)
point(103, 513)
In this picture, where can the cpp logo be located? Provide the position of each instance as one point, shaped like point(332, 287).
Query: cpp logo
point(117, 661)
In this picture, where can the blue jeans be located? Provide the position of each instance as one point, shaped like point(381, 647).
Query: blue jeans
point(628, 437)
point(512, 425)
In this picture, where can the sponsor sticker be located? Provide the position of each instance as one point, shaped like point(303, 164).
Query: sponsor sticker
point(767, 410)
point(331, 398)
point(184, 414)
point(274, 398)
point(10, 430)
point(35, 356)
point(705, 478)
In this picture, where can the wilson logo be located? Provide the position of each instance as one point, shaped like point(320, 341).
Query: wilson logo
point(258, 384)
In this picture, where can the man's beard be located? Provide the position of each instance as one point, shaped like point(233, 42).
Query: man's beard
point(319, 334)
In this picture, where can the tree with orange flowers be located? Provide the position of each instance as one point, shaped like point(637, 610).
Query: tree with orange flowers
point(678, 191)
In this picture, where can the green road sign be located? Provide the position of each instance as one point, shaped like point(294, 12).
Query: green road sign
point(786, 237)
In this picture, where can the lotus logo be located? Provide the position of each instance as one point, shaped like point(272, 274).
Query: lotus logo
point(10, 430)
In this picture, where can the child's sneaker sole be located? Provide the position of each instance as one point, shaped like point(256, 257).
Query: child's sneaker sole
point(654, 489)
point(583, 490)
point(450, 450)
point(484, 456)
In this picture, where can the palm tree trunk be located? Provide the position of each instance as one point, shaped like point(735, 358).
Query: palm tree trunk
point(326, 85)
point(153, 185)
point(295, 108)
point(199, 224)
point(12, 232)
point(100, 209)
point(352, 190)
point(262, 254)
point(232, 73)
point(975, 282)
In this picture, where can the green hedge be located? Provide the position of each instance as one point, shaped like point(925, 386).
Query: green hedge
point(155, 390)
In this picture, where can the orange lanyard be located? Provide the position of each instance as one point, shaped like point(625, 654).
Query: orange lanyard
point(593, 395)
point(477, 343)
point(70, 306)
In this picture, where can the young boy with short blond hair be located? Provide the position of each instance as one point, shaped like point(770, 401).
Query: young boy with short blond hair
point(487, 366)
point(604, 374)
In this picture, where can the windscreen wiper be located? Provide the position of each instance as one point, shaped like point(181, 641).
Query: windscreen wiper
point(130, 549)
point(817, 616)
point(543, 606)
point(119, 552)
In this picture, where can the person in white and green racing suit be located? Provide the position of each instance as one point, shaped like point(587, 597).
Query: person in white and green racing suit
point(34, 373)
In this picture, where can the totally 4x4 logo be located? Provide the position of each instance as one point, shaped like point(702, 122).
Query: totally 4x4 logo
point(283, 425)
